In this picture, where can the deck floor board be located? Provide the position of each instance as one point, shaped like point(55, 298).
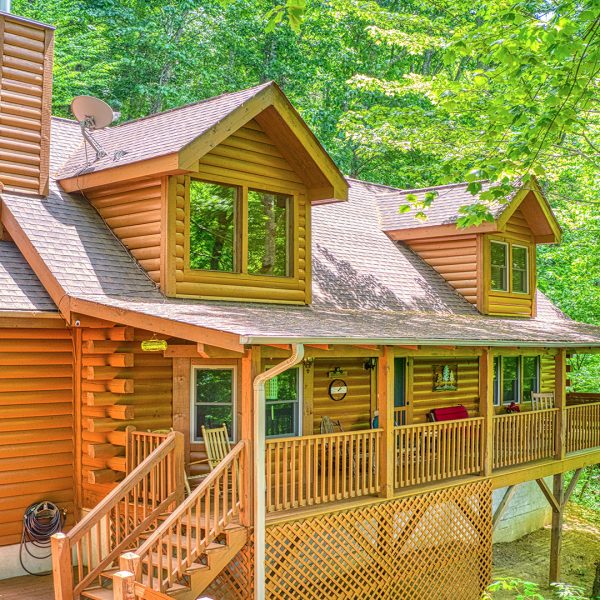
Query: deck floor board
point(27, 587)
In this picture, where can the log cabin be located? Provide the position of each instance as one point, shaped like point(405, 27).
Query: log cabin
point(216, 268)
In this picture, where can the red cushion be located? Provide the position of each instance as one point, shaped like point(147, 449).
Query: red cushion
point(450, 413)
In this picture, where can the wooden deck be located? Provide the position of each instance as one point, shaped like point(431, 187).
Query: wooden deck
point(28, 587)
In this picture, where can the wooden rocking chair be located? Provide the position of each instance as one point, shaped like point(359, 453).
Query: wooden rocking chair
point(329, 425)
point(217, 446)
point(542, 401)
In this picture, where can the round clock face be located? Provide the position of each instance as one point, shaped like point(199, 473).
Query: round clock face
point(338, 389)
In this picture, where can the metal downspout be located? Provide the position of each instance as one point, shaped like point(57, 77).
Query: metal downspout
point(259, 465)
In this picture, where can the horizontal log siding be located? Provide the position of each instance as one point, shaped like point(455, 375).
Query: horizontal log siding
point(455, 259)
point(147, 401)
point(25, 97)
point(247, 157)
point(502, 303)
point(36, 429)
point(133, 211)
point(425, 399)
point(354, 411)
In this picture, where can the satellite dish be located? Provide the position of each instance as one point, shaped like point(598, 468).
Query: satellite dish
point(92, 113)
point(95, 113)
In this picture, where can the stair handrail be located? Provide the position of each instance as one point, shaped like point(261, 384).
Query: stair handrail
point(209, 500)
point(115, 523)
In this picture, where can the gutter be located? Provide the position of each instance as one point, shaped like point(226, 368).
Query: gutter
point(346, 341)
point(259, 465)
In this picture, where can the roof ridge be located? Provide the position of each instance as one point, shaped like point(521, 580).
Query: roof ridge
point(441, 187)
point(197, 103)
point(383, 185)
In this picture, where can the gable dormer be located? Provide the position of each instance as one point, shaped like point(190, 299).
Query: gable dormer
point(226, 214)
point(493, 265)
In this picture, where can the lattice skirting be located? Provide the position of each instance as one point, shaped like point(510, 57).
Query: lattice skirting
point(434, 546)
point(236, 580)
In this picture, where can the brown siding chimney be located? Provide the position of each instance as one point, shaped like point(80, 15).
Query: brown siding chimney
point(26, 49)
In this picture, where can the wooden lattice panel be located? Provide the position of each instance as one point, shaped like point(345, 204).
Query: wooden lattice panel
point(236, 580)
point(435, 545)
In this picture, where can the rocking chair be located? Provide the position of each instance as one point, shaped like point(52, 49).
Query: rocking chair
point(217, 446)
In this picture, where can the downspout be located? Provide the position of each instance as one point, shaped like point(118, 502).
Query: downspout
point(259, 465)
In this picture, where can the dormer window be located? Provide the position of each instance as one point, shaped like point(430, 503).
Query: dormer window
point(509, 267)
point(235, 229)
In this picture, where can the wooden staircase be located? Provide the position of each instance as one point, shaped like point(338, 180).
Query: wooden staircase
point(169, 546)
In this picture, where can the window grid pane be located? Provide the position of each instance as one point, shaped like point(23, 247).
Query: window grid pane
point(268, 233)
point(213, 401)
point(519, 270)
point(212, 226)
point(530, 376)
point(283, 404)
point(499, 263)
point(510, 379)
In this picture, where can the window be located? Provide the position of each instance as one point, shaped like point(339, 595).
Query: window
point(282, 395)
point(213, 397)
point(499, 253)
point(520, 275)
point(213, 210)
point(515, 377)
point(268, 233)
point(509, 275)
point(217, 228)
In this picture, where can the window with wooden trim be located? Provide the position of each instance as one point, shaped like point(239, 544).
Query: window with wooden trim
point(282, 400)
point(515, 378)
point(509, 267)
point(213, 399)
point(236, 229)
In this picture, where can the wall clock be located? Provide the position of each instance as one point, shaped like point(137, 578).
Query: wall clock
point(338, 389)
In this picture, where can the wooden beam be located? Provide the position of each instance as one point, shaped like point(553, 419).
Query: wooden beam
point(486, 409)
point(572, 485)
point(201, 350)
point(279, 346)
point(407, 347)
point(366, 346)
point(510, 490)
point(560, 402)
point(556, 532)
point(385, 407)
point(318, 346)
point(549, 496)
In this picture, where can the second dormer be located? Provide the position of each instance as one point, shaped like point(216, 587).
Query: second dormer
point(214, 199)
point(492, 265)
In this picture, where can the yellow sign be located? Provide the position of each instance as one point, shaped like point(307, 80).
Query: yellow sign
point(154, 345)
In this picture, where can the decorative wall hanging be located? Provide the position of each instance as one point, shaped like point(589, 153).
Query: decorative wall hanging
point(154, 345)
point(445, 377)
point(338, 389)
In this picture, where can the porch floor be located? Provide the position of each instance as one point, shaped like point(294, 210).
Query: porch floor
point(28, 587)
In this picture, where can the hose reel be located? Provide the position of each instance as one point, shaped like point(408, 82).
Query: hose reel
point(41, 521)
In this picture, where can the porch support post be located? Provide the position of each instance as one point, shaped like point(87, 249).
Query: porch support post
point(557, 522)
point(385, 407)
point(250, 367)
point(560, 399)
point(486, 410)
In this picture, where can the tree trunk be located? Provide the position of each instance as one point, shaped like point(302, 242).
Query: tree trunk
point(596, 586)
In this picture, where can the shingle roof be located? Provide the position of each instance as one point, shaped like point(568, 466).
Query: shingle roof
point(156, 135)
point(20, 289)
point(443, 211)
point(365, 286)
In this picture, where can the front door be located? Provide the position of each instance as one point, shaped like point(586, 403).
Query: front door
point(401, 405)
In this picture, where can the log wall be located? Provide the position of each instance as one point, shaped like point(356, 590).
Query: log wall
point(455, 259)
point(36, 429)
point(425, 399)
point(25, 99)
point(121, 386)
point(133, 211)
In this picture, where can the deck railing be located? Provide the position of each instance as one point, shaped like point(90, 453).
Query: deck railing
point(314, 469)
point(186, 534)
point(152, 488)
point(523, 437)
point(140, 444)
point(583, 427)
point(428, 452)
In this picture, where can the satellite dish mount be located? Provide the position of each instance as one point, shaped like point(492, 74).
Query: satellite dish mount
point(92, 114)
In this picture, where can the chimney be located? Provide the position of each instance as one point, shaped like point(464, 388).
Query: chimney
point(26, 49)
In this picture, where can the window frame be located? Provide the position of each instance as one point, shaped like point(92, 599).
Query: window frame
point(193, 404)
point(498, 383)
point(527, 283)
point(240, 249)
point(507, 261)
point(528, 273)
point(299, 405)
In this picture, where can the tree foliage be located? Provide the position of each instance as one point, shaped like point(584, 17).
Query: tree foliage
point(407, 93)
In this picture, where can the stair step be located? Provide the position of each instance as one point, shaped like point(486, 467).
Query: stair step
point(98, 594)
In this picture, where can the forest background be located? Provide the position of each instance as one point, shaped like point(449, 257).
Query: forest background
point(408, 93)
